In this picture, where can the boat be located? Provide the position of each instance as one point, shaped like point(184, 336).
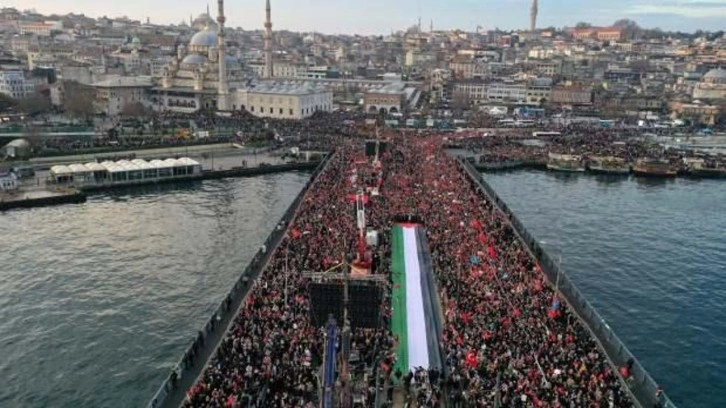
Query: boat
point(704, 169)
point(654, 168)
point(565, 162)
point(608, 165)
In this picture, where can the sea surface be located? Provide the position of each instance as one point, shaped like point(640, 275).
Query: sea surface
point(650, 255)
point(99, 301)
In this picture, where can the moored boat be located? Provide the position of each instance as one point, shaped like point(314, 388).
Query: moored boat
point(705, 169)
point(654, 168)
point(565, 162)
point(608, 165)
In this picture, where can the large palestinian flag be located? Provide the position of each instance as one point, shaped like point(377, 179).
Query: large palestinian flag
point(416, 319)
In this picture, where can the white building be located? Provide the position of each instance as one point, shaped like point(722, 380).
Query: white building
point(8, 182)
point(13, 83)
point(507, 91)
point(41, 29)
point(284, 99)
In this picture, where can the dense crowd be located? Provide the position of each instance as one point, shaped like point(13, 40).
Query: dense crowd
point(273, 348)
point(507, 146)
point(506, 338)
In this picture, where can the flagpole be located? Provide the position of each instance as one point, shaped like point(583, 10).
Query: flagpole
point(287, 250)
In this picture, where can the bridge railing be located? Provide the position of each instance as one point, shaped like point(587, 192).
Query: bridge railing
point(189, 364)
point(641, 385)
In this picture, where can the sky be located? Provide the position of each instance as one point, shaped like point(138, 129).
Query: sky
point(383, 16)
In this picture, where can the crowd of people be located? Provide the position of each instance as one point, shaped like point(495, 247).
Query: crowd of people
point(507, 338)
point(520, 146)
point(273, 348)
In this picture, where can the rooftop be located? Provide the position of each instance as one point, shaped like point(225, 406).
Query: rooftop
point(124, 82)
point(288, 88)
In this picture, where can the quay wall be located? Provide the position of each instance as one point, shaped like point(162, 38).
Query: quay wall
point(642, 387)
point(74, 197)
point(201, 349)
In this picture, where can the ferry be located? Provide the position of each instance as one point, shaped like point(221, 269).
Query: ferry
point(565, 162)
point(654, 168)
point(608, 165)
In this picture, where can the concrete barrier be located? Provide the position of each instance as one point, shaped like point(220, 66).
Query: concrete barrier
point(191, 366)
point(641, 386)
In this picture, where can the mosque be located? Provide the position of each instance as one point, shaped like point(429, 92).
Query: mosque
point(712, 86)
point(203, 76)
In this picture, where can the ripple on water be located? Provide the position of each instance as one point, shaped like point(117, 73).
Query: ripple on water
point(649, 255)
point(98, 301)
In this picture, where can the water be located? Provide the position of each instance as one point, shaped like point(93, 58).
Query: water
point(650, 256)
point(98, 301)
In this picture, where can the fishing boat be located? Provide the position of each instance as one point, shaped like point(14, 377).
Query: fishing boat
point(565, 162)
point(608, 165)
point(654, 168)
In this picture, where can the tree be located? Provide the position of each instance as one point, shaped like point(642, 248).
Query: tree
point(78, 99)
point(460, 101)
point(34, 104)
point(6, 102)
point(583, 24)
point(135, 110)
point(630, 27)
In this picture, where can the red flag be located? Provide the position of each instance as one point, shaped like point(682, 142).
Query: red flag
point(472, 360)
point(476, 224)
point(492, 252)
point(295, 233)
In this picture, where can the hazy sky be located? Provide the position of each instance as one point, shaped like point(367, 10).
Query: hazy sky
point(381, 16)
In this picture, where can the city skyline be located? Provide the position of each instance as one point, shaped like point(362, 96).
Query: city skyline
point(379, 17)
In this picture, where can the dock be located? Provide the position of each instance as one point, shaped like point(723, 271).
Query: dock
point(40, 198)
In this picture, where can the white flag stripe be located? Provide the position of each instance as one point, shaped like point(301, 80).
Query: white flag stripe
point(418, 352)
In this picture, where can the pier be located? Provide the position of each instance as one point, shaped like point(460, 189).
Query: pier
point(40, 198)
point(37, 196)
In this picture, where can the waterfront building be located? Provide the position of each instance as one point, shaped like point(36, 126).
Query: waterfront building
point(124, 171)
point(283, 99)
point(387, 99)
point(202, 73)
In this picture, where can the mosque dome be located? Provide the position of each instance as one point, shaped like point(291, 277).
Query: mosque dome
point(135, 40)
point(205, 38)
point(203, 21)
point(193, 59)
point(715, 76)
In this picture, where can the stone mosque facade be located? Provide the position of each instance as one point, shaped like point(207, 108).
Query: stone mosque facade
point(203, 76)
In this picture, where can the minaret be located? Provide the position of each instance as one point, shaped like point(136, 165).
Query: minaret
point(268, 42)
point(533, 16)
point(221, 54)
